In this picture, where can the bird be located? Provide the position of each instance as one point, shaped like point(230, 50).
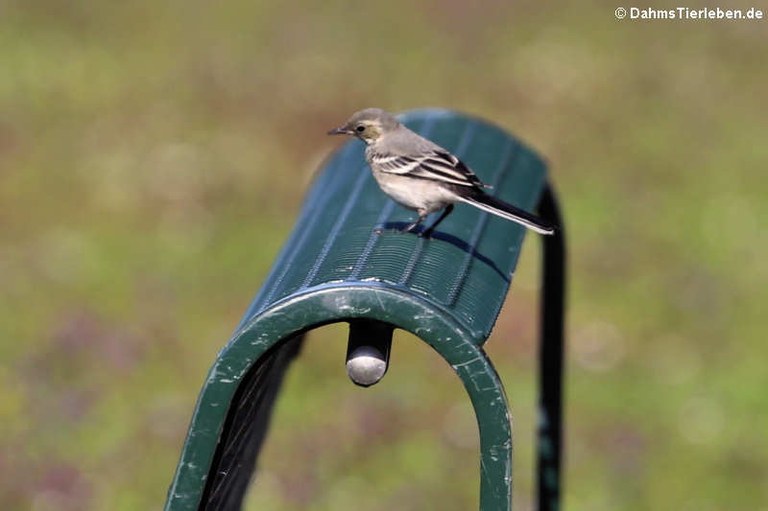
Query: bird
point(422, 176)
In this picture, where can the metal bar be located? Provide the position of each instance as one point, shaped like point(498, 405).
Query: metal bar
point(549, 462)
point(493, 420)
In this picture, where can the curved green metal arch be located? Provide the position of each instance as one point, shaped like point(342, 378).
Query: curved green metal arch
point(331, 303)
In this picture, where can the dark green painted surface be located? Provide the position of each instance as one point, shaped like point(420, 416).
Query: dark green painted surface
point(465, 269)
point(447, 290)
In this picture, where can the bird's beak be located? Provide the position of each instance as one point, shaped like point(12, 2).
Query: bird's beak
point(341, 130)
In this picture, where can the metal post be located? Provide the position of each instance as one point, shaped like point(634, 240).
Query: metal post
point(551, 357)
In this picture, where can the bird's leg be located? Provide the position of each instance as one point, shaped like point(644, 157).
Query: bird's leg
point(428, 232)
point(410, 227)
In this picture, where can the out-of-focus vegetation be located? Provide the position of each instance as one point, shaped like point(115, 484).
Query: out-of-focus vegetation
point(153, 156)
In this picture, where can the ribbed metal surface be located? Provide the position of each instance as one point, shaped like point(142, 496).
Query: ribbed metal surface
point(465, 268)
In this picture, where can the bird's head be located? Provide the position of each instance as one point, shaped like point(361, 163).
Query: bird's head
point(368, 125)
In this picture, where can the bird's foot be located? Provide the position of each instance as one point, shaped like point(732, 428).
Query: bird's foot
point(410, 227)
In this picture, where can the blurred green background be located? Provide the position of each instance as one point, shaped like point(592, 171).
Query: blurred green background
point(153, 156)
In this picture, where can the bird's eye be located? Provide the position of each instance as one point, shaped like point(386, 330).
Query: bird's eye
point(360, 129)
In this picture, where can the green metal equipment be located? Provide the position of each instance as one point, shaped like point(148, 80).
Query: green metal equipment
point(447, 290)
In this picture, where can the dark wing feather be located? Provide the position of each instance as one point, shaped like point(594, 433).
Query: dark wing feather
point(440, 166)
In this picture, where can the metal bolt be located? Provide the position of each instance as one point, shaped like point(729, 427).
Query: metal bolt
point(368, 351)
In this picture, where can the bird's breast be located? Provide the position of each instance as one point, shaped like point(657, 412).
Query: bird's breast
point(414, 193)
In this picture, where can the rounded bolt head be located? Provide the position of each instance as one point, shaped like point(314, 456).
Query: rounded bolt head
point(366, 366)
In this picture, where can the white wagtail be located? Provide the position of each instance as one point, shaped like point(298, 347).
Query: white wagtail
point(422, 176)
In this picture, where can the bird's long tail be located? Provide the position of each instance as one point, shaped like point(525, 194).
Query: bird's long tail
point(500, 208)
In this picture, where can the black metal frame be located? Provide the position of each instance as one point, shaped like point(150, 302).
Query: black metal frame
point(551, 355)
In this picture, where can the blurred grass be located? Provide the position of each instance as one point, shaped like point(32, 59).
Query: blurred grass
point(153, 157)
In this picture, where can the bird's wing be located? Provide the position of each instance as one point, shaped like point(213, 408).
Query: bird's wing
point(436, 165)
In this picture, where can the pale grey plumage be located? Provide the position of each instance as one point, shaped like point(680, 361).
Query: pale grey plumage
point(422, 176)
